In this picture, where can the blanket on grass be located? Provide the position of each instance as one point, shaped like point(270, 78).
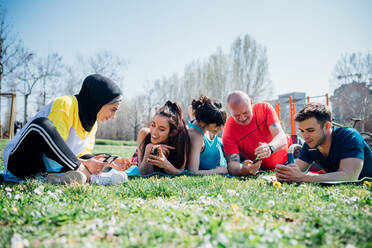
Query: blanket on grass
point(273, 179)
point(132, 171)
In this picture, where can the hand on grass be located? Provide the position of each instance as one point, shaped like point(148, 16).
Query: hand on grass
point(289, 173)
point(249, 168)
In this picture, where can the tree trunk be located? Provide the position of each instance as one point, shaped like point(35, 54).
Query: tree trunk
point(25, 110)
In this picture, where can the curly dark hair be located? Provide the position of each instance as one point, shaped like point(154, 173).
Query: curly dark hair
point(209, 110)
point(322, 113)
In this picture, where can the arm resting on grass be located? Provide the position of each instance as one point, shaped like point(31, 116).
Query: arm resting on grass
point(233, 165)
point(350, 169)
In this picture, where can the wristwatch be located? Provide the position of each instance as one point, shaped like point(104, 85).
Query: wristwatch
point(272, 149)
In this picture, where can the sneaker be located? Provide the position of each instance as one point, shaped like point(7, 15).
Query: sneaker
point(69, 177)
point(109, 178)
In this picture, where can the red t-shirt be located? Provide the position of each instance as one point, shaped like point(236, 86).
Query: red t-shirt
point(244, 139)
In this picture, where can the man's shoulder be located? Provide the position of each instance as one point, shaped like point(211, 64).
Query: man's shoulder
point(229, 124)
point(261, 109)
point(230, 131)
point(344, 130)
point(344, 134)
point(347, 139)
point(261, 106)
point(232, 127)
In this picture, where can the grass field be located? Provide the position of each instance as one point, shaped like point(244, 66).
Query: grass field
point(211, 211)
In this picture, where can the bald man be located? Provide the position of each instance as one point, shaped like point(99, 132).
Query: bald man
point(253, 131)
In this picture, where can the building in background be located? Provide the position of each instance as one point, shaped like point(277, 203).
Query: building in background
point(298, 98)
point(353, 100)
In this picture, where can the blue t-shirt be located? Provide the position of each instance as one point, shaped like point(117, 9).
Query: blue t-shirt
point(346, 143)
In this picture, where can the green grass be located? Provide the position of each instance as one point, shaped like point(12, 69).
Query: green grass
point(186, 211)
point(116, 142)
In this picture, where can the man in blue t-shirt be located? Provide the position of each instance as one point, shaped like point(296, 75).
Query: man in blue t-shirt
point(340, 152)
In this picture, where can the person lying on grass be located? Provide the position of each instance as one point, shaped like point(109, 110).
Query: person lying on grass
point(254, 132)
point(206, 154)
point(61, 136)
point(164, 146)
point(340, 152)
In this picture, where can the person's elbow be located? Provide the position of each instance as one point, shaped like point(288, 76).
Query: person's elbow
point(351, 175)
point(352, 167)
point(142, 169)
point(280, 139)
point(233, 170)
point(354, 175)
point(283, 139)
point(193, 169)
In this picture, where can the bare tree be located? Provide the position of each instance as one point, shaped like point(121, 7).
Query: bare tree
point(244, 68)
point(104, 62)
point(51, 65)
point(118, 128)
point(353, 100)
point(218, 69)
point(250, 68)
point(73, 80)
point(107, 64)
point(113, 67)
point(10, 49)
point(353, 67)
point(12, 56)
point(33, 72)
point(137, 118)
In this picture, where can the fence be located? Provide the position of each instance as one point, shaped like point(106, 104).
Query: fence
point(291, 106)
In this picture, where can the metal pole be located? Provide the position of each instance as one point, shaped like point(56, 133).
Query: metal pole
point(277, 110)
point(293, 124)
point(11, 122)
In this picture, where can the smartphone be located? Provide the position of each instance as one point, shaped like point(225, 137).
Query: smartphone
point(256, 160)
point(280, 165)
point(110, 159)
point(155, 151)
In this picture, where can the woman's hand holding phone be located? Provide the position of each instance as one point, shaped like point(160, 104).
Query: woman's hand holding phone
point(160, 160)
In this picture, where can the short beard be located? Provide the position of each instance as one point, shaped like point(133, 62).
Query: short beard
point(321, 141)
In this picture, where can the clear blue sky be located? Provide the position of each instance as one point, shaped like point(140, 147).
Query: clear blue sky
point(304, 39)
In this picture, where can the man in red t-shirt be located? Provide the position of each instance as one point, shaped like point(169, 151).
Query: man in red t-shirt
point(254, 132)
